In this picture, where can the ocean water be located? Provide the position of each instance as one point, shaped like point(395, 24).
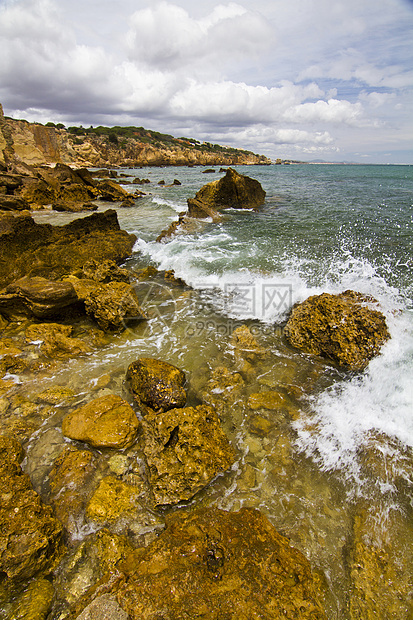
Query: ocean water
point(323, 228)
point(333, 468)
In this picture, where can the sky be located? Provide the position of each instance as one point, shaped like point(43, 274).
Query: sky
point(307, 80)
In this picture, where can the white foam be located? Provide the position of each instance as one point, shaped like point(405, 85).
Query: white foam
point(378, 401)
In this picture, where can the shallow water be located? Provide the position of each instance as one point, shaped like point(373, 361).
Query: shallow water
point(331, 464)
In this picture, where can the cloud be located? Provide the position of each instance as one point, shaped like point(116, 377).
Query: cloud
point(167, 37)
point(331, 111)
point(260, 75)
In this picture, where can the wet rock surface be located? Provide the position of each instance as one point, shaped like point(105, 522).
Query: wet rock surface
point(114, 306)
point(341, 327)
point(185, 449)
point(156, 385)
point(215, 564)
point(106, 422)
point(37, 297)
point(31, 249)
point(31, 538)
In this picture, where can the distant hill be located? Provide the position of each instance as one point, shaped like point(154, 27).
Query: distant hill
point(36, 144)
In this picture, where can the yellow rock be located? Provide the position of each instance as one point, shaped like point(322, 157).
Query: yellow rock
point(105, 422)
point(111, 500)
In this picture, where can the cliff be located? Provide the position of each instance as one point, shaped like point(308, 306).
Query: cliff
point(36, 144)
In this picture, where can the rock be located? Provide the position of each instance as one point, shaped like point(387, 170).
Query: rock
point(114, 306)
point(31, 538)
point(225, 392)
point(113, 499)
point(13, 203)
point(208, 171)
point(55, 340)
point(380, 563)
point(55, 395)
point(176, 182)
point(106, 422)
point(69, 479)
point(10, 182)
point(104, 607)
point(36, 297)
point(34, 603)
point(231, 191)
point(44, 186)
point(266, 400)
point(340, 327)
point(74, 207)
point(156, 384)
point(111, 191)
point(83, 567)
point(28, 248)
point(185, 449)
point(130, 201)
point(75, 193)
point(215, 564)
point(104, 272)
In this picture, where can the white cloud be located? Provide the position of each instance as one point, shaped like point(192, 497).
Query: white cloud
point(168, 37)
point(257, 74)
point(331, 111)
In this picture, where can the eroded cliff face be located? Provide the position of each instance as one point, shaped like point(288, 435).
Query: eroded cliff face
point(36, 144)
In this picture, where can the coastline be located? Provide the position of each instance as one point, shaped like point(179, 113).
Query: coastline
point(260, 468)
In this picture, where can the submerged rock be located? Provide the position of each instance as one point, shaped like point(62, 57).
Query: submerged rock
point(156, 384)
point(112, 499)
point(106, 422)
point(114, 306)
point(215, 564)
point(34, 603)
point(31, 538)
point(28, 248)
point(380, 562)
point(104, 607)
point(340, 327)
point(69, 479)
point(185, 449)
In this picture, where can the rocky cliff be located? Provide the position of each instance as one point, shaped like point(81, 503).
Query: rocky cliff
point(36, 144)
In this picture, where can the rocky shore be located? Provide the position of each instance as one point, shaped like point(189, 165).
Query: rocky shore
point(36, 144)
point(116, 523)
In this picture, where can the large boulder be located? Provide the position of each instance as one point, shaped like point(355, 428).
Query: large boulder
point(343, 328)
point(28, 248)
point(31, 538)
point(185, 449)
point(105, 422)
point(111, 191)
point(156, 385)
point(114, 306)
point(234, 191)
point(215, 564)
point(36, 297)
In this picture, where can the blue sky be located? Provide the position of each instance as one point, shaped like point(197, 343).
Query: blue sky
point(304, 79)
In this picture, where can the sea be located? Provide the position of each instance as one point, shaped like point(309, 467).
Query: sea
point(332, 465)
